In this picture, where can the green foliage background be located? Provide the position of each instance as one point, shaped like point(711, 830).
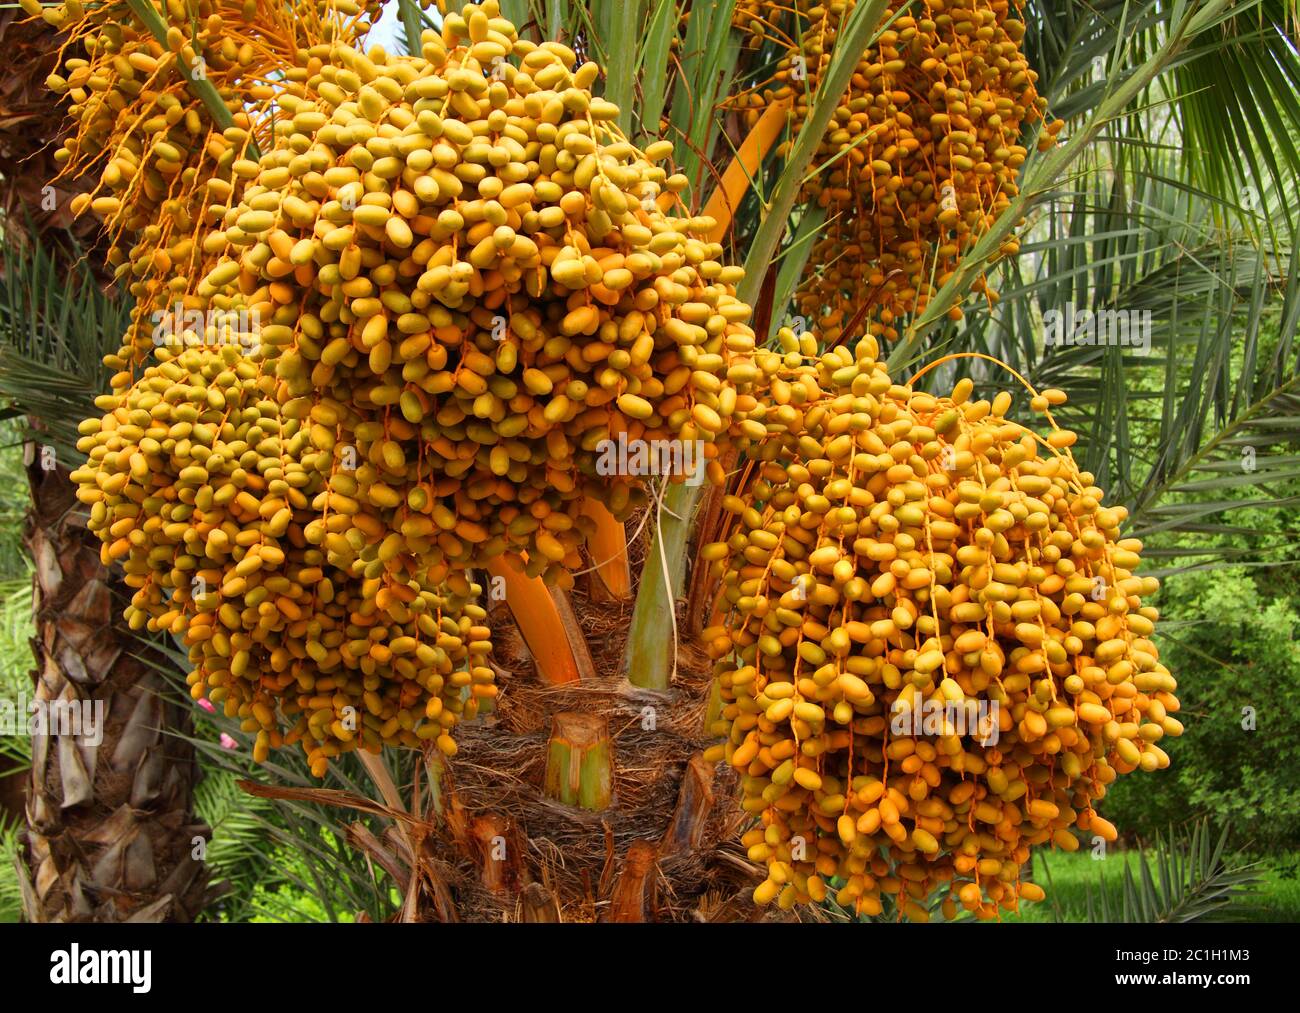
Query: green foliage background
point(1235, 653)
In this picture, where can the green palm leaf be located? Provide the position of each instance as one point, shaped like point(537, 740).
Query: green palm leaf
point(1195, 878)
point(55, 327)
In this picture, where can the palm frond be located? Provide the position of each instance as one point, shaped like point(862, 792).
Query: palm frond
point(1190, 876)
point(16, 629)
point(1229, 100)
point(260, 846)
point(1042, 174)
point(55, 326)
point(14, 499)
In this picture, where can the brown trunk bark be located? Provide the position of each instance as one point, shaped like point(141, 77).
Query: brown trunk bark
point(110, 832)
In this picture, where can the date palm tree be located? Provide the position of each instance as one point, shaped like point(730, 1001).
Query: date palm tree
point(585, 793)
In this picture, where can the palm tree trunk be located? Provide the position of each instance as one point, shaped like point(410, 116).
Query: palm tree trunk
point(111, 836)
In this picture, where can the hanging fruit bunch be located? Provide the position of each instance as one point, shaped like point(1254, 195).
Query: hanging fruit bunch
point(196, 483)
point(428, 291)
point(140, 127)
point(933, 652)
point(201, 489)
point(920, 158)
point(484, 289)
